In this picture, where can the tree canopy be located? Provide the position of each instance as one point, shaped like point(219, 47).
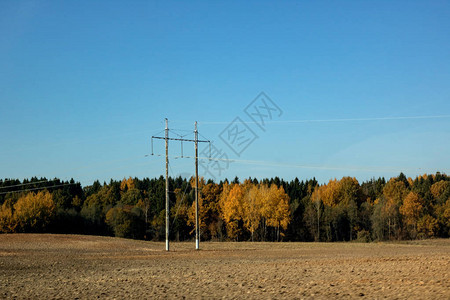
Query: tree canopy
point(257, 210)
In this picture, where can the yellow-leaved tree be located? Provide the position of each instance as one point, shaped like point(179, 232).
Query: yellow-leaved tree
point(7, 222)
point(330, 193)
point(252, 207)
point(440, 191)
point(427, 226)
point(443, 215)
point(208, 209)
point(231, 203)
point(127, 184)
point(202, 209)
point(394, 192)
point(411, 210)
point(213, 222)
point(277, 210)
point(34, 212)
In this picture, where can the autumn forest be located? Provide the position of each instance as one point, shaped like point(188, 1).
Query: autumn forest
point(249, 210)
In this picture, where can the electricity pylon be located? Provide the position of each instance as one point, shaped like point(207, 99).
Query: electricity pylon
point(195, 141)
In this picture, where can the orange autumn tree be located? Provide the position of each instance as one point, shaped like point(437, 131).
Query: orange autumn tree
point(231, 203)
point(349, 196)
point(252, 207)
point(7, 222)
point(201, 207)
point(208, 205)
point(127, 184)
point(440, 191)
point(329, 193)
point(394, 192)
point(443, 215)
point(280, 215)
point(411, 210)
point(210, 201)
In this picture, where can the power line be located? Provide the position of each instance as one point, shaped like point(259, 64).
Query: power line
point(35, 182)
point(39, 188)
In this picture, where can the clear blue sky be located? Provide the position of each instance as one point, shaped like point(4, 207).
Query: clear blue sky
point(84, 85)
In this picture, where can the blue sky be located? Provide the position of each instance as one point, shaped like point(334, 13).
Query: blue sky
point(84, 85)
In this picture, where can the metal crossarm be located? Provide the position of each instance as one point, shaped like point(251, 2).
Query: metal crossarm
point(182, 140)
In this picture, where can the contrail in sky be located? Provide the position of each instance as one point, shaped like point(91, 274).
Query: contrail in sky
point(339, 120)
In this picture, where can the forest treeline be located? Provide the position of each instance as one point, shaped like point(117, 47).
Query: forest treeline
point(258, 210)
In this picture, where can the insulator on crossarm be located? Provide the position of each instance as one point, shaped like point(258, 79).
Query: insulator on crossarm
point(181, 149)
point(152, 145)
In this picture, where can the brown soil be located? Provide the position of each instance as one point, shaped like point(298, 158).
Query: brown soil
point(71, 266)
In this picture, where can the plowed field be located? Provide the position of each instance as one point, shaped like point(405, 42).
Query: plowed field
point(72, 266)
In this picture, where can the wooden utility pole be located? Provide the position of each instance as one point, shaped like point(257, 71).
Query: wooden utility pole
point(197, 226)
point(167, 184)
point(196, 141)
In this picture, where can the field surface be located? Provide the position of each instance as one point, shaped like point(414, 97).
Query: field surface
point(71, 266)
